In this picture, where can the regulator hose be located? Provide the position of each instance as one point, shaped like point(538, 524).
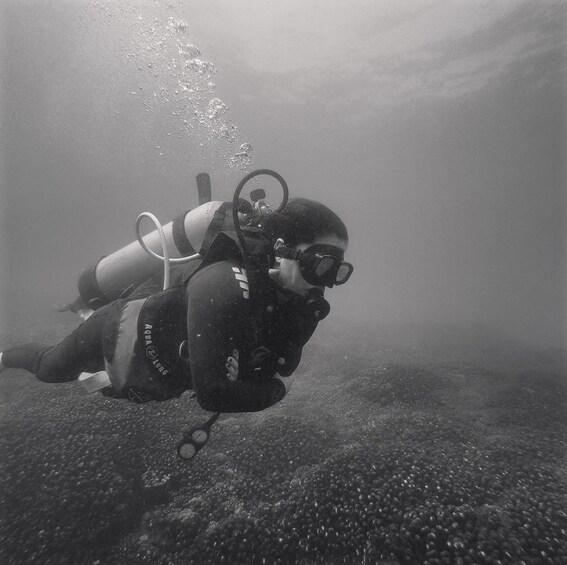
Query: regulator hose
point(167, 260)
point(236, 197)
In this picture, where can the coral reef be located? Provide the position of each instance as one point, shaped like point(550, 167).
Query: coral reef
point(392, 462)
point(392, 382)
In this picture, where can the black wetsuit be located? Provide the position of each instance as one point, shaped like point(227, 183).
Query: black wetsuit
point(268, 336)
point(220, 316)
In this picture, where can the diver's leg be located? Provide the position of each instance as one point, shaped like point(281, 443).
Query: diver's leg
point(79, 351)
point(23, 357)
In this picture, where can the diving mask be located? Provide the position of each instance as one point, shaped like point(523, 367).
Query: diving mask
point(320, 265)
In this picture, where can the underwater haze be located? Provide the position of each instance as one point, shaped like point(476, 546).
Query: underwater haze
point(435, 129)
point(428, 421)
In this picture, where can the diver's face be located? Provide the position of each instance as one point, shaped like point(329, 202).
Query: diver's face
point(287, 272)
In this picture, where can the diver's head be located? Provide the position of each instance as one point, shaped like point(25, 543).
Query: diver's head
point(309, 241)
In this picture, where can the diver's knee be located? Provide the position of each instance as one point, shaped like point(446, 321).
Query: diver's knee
point(47, 377)
point(53, 375)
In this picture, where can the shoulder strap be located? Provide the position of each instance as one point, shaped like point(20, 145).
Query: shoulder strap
point(221, 222)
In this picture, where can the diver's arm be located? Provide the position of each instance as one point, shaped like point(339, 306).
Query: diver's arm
point(232, 368)
point(218, 314)
point(239, 396)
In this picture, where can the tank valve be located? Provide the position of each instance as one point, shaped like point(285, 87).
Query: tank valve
point(258, 196)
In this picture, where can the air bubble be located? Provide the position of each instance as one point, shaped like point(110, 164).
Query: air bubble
point(246, 148)
point(216, 108)
point(162, 46)
point(200, 66)
point(178, 26)
point(241, 158)
point(189, 51)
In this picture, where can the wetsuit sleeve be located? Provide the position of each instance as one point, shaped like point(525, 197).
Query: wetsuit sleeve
point(219, 321)
point(291, 361)
point(297, 331)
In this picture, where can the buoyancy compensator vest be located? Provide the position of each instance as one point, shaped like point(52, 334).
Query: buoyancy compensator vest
point(143, 347)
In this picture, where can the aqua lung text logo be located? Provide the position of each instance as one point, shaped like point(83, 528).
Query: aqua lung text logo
point(152, 352)
point(242, 278)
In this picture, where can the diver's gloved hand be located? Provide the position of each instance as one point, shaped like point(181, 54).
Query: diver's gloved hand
point(262, 363)
point(232, 366)
point(260, 357)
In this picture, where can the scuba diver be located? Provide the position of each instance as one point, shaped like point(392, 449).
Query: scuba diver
point(231, 327)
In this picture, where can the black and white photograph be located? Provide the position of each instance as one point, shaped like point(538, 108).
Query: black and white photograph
point(283, 283)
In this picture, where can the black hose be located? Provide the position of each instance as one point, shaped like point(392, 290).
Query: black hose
point(236, 196)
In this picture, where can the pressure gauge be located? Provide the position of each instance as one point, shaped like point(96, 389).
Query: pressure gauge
point(186, 450)
point(200, 436)
point(193, 440)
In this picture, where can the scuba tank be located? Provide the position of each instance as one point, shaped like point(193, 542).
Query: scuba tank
point(112, 276)
point(184, 239)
